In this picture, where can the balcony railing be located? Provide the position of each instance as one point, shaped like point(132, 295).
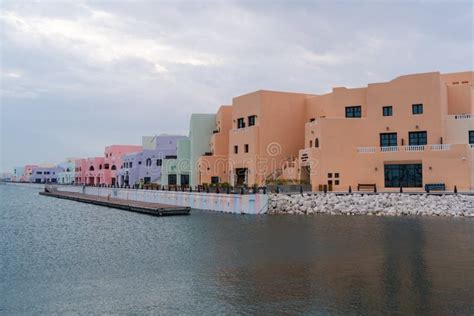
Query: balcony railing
point(415, 148)
point(440, 147)
point(412, 148)
point(462, 116)
point(389, 149)
point(366, 150)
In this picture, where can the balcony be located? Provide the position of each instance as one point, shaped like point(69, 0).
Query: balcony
point(412, 148)
point(390, 149)
point(366, 150)
point(415, 148)
point(463, 116)
point(440, 147)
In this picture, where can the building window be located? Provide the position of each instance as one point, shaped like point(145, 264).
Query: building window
point(387, 110)
point(171, 179)
point(100, 167)
point(159, 162)
point(417, 138)
point(185, 179)
point(214, 180)
point(246, 148)
point(388, 139)
point(148, 162)
point(316, 143)
point(240, 123)
point(106, 166)
point(130, 164)
point(471, 137)
point(329, 175)
point(336, 182)
point(353, 111)
point(417, 108)
point(139, 162)
point(336, 175)
point(310, 143)
point(252, 120)
point(113, 167)
point(236, 149)
point(404, 175)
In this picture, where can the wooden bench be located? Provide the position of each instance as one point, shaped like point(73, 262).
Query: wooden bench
point(366, 186)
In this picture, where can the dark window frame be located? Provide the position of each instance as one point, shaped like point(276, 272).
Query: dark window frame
point(388, 139)
point(387, 110)
point(418, 138)
point(403, 175)
point(471, 137)
point(236, 149)
point(252, 119)
point(354, 111)
point(246, 148)
point(417, 109)
point(240, 122)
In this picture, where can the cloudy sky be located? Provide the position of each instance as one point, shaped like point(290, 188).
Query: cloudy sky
point(77, 75)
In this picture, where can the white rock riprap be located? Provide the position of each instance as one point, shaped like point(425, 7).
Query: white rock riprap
point(383, 204)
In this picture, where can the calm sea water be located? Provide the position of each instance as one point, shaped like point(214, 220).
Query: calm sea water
point(60, 256)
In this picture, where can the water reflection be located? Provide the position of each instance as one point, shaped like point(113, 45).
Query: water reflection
point(352, 264)
point(63, 257)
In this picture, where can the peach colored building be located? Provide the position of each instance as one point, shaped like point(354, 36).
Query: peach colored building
point(103, 170)
point(265, 129)
point(413, 131)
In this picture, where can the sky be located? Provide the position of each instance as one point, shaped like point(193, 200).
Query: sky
point(76, 76)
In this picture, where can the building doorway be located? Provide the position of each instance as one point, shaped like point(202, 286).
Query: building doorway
point(185, 179)
point(171, 179)
point(241, 176)
point(305, 175)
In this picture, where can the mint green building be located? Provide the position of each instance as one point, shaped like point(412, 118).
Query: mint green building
point(177, 171)
point(184, 169)
point(68, 174)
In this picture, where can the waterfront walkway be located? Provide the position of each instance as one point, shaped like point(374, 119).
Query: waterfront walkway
point(128, 205)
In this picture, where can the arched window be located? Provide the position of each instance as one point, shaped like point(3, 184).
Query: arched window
point(100, 167)
point(310, 143)
point(91, 168)
point(316, 143)
point(113, 167)
point(148, 162)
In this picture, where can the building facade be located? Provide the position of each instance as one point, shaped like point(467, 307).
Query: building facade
point(17, 174)
point(177, 171)
point(45, 174)
point(414, 131)
point(146, 166)
point(103, 170)
point(68, 174)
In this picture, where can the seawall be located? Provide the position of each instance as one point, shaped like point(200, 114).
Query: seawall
point(228, 203)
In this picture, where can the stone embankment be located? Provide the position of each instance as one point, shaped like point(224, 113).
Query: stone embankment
point(382, 204)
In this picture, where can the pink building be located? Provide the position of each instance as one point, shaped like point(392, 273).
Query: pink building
point(27, 173)
point(103, 170)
